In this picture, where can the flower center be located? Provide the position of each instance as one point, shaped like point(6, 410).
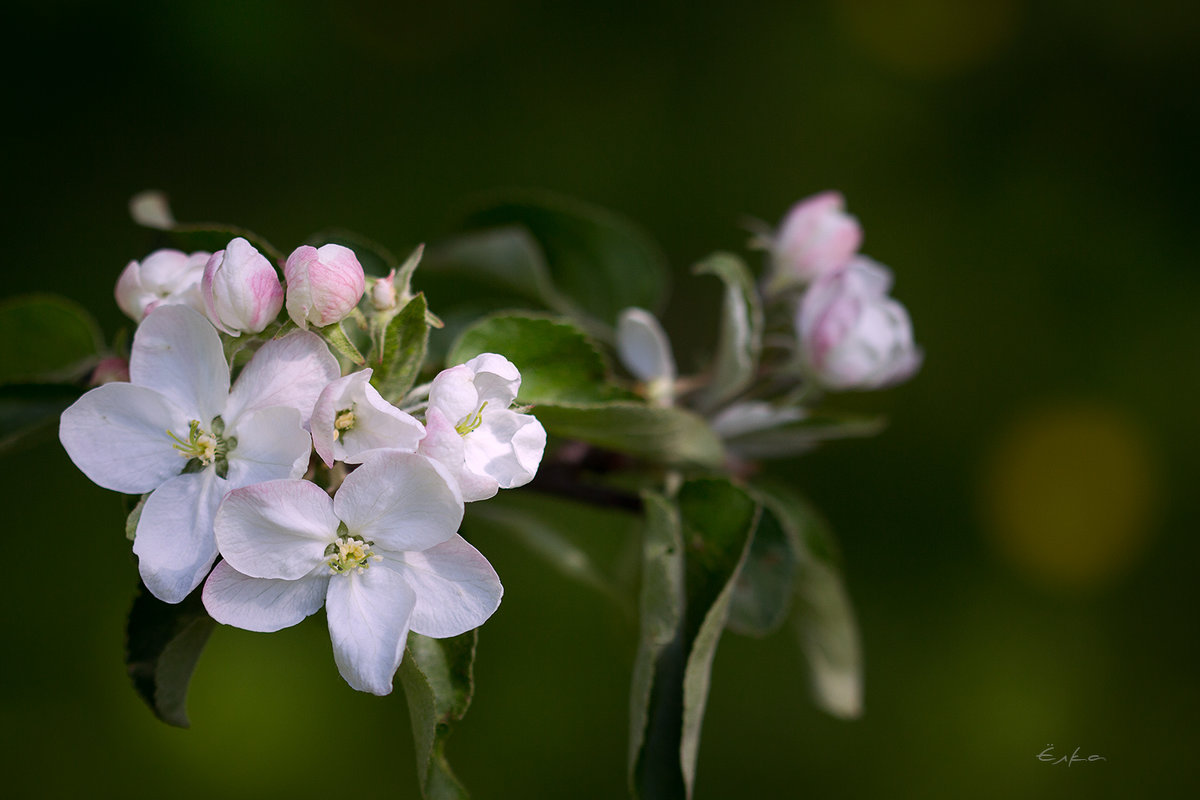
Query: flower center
point(206, 446)
point(349, 554)
point(344, 421)
point(471, 421)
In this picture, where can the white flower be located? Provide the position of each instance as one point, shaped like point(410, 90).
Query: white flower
point(382, 556)
point(178, 431)
point(852, 334)
point(470, 429)
point(165, 277)
point(645, 351)
point(351, 419)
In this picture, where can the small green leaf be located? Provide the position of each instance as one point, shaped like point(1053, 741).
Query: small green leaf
point(762, 596)
point(557, 360)
point(163, 644)
point(794, 436)
point(740, 340)
point(404, 344)
point(336, 336)
point(671, 436)
point(707, 547)
point(824, 619)
point(599, 260)
point(438, 684)
point(45, 338)
point(30, 411)
point(135, 516)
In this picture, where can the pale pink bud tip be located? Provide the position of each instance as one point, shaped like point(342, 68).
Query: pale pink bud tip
point(241, 289)
point(816, 237)
point(323, 284)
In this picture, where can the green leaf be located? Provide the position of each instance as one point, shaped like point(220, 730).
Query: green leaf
point(762, 596)
point(715, 521)
point(671, 436)
point(794, 436)
point(163, 644)
point(599, 260)
point(438, 684)
point(29, 412)
point(739, 345)
point(506, 258)
point(135, 516)
point(405, 341)
point(557, 360)
point(335, 336)
point(824, 618)
point(45, 338)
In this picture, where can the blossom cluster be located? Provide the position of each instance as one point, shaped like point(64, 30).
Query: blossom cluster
point(225, 461)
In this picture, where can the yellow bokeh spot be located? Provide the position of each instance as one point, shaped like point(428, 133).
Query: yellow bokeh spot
point(930, 37)
point(1069, 494)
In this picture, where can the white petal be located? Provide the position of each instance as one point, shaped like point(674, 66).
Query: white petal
point(368, 624)
point(508, 447)
point(290, 371)
point(456, 587)
point(277, 529)
point(400, 501)
point(174, 542)
point(643, 346)
point(117, 435)
point(380, 426)
point(261, 604)
point(177, 352)
point(453, 392)
point(497, 379)
point(445, 445)
point(337, 396)
point(271, 444)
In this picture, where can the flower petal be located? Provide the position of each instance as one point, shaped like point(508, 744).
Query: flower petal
point(400, 501)
point(174, 542)
point(368, 617)
point(276, 529)
point(383, 427)
point(497, 379)
point(271, 444)
point(445, 445)
point(117, 435)
point(177, 352)
point(456, 587)
point(453, 392)
point(261, 604)
point(507, 447)
point(290, 371)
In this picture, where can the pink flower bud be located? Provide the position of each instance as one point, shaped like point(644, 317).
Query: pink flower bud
point(383, 292)
point(165, 277)
point(113, 368)
point(815, 238)
point(852, 335)
point(323, 284)
point(241, 289)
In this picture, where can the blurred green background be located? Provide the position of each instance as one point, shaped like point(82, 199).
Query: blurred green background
point(1020, 543)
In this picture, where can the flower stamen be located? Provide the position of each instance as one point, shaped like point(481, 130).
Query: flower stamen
point(471, 421)
point(349, 554)
point(343, 422)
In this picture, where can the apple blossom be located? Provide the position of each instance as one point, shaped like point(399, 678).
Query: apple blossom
point(383, 292)
point(470, 428)
point(852, 335)
point(178, 431)
point(383, 556)
point(815, 238)
point(645, 351)
point(324, 284)
point(351, 419)
point(165, 277)
point(241, 289)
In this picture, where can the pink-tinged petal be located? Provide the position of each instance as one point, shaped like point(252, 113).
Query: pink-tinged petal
point(177, 352)
point(174, 542)
point(400, 501)
point(368, 617)
point(117, 435)
point(271, 444)
point(456, 587)
point(453, 392)
point(277, 529)
point(507, 447)
point(290, 371)
point(444, 444)
point(497, 379)
point(264, 605)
